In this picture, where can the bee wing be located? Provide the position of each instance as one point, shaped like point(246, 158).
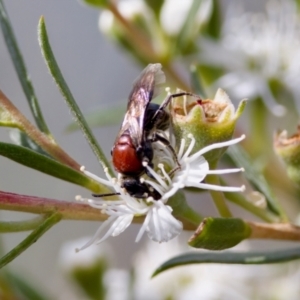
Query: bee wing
point(145, 87)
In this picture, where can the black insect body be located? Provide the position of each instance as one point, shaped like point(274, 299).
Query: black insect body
point(140, 128)
point(133, 148)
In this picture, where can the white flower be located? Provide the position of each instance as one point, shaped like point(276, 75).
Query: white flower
point(159, 223)
point(174, 13)
point(70, 260)
point(193, 169)
point(129, 9)
point(255, 48)
point(209, 281)
point(118, 284)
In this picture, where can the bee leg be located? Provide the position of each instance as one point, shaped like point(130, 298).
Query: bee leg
point(146, 154)
point(167, 101)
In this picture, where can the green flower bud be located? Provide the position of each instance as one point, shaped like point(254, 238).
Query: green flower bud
point(288, 149)
point(220, 233)
point(209, 121)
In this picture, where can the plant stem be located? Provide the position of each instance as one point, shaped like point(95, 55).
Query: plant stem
point(78, 211)
point(279, 231)
point(191, 216)
point(6, 227)
point(38, 205)
point(217, 196)
point(240, 200)
point(173, 74)
point(30, 239)
point(258, 130)
point(43, 140)
point(183, 211)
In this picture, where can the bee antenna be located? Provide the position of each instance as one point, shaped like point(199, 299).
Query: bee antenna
point(105, 195)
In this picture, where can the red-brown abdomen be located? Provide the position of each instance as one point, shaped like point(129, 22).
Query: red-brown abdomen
point(125, 158)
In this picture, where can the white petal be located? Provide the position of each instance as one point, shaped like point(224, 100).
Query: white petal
point(116, 226)
point(144, 227)
point(225, 171)
point(162, 226)
point(121, 224)
point(216, 146)
point(96, 237)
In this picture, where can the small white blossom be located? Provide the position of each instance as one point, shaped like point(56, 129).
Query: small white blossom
point(159, 223)
point(193, 169)
point(118, 284)
point(129, 9)
point(70, 260)
point(174, 13)
point(255, 48)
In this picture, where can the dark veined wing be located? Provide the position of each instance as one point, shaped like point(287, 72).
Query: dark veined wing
point(145, 87)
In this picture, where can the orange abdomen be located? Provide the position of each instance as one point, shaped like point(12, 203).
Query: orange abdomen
point(125, 158)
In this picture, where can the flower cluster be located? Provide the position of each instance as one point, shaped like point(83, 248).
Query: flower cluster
point(161, 24)
point(159, 223)
point(256, 49)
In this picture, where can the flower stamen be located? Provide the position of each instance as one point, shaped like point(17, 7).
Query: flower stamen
point(156, 177)
point(191, 146)
point(216, 146)
point(97, 178)
point(181, 149)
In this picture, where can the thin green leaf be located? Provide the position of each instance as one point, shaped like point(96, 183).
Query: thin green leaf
point(30, 239)
point(240, 158)
point(214, 26)
point(23, 287)
point(18, 226)
point(90, 278)
point(230, 257)
point(20, 68)
point(22, 139)
point(49, 166)
point(102, 117)
point(11, 116)
point(66, 93)
point(240, 200)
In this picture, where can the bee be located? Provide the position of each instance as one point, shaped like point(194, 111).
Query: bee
point(141, 127)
